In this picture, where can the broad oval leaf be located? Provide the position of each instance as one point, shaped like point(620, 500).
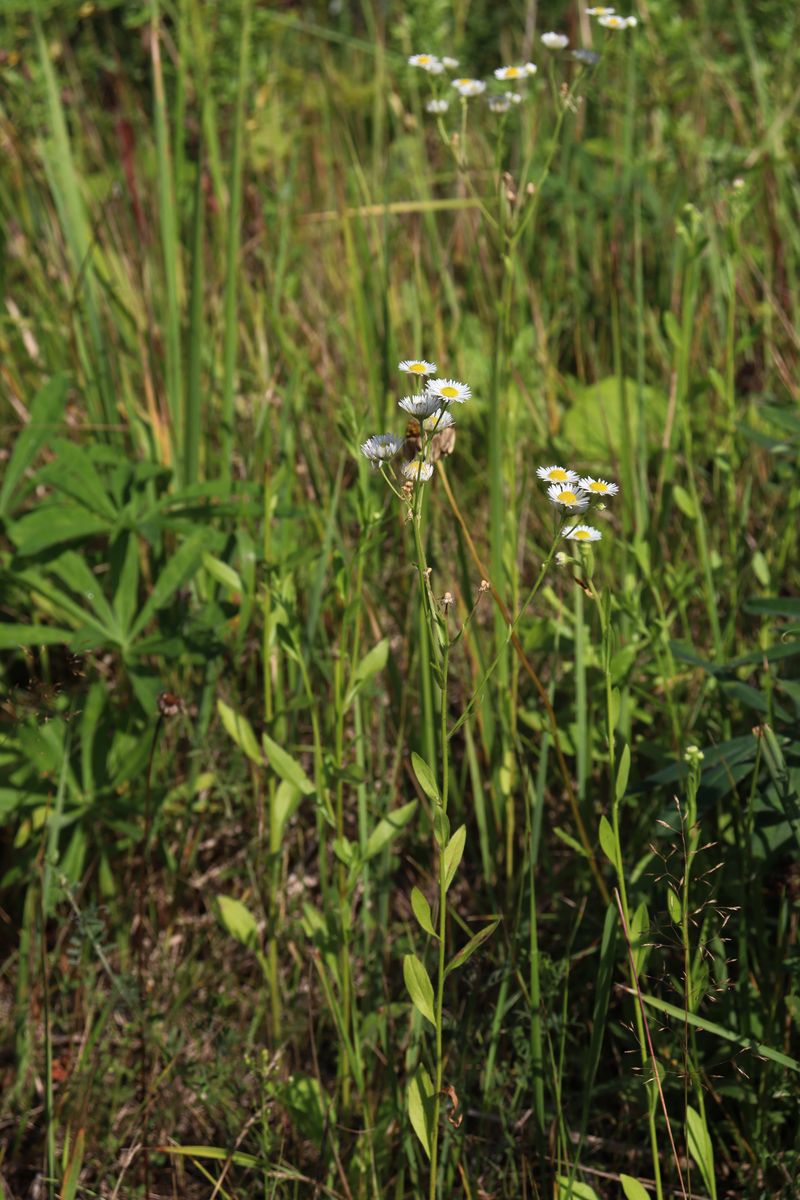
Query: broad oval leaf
point(572, 1189)
point(633, 1189)
point(238, 921)
point(420, 988)
point(223, 573)
point(240, 729)
point(608, 842)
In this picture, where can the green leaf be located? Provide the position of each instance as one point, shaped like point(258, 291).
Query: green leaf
point(569, 840)
point(608, 842)
point(388, 828)
point(441, 825)
point(215, 1153)
point(684, 502)
point(372, 662)
point(223, 574)
point(776, 1056)
point(425, 777)
point(453, 854)
point(623, 771)
point(179, 569)
point(633, 1189)
point(287, 767)
point(285, 804)
point(69, 1186)
point(700, 1147)
point(238, 921)
point(54, 525)
point(420, 988)
point(422, 911)
point(573, 1190)
point(240, 729)
point(674, 905)
point(421, 1107)
point(45, 417)
point(594, 422)
point(639, 930)
point(12, 636)
point(73, 473)
point(472, 945)
point(602, 995)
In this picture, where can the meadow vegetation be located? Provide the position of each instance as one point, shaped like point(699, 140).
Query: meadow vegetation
point(365, 831)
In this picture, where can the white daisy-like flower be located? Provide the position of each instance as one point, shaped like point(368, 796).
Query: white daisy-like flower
point(531, 68)
point(632, 22)
point(450, 63)
point(418, 471)
point(555, 41)
point(428, 62)
point(504, 73)
point(613, 22)
point(421, 406)
point(568, 497)
point(469, 87)
point(437, 106)
point(601, 12)
point(437, 421)
point(417, 366)
point(449, 390)
point(557, 475)
point(598, 487)
point(381, 448)
point(581, 533)
point(501, 104)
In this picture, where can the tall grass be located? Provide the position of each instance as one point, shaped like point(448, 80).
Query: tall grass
point(223, 228)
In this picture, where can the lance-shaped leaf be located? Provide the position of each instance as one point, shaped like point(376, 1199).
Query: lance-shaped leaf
point(608, 842)
point(425, 777)
point(420, 988)
point(422, 911)
point(472, 945)
point(388, 828)
point(453, 854)
point(372, 662)
point(238, 921)
point(287, 767)
point(633, 1189)
point(421, 1107)
point(240, 729)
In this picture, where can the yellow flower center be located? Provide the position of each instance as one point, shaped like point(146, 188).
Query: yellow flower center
point(597, 486)
point(582, 535)
point(558, 476)
point(567, 497)
point(449, 392)
point(419, 368)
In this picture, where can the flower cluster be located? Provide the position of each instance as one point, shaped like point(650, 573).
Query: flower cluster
point(429, 408)
point(610, 19)
point(574, 493)
point(468, 88)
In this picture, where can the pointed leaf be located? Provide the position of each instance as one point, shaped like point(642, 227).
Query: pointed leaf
point(573, 1190)
point(388, 828)
point(224, 574)
point(700, 1148)
point(453, 854)
point(240, 729)
point(372, 662)
point(179, 570)
point(287, 767)
point(421, 1107)
point(425, 777)
point(608, 842)
point(45, 417)
point(472, 945)
point(422, 911)
point(623, 771)
point(420, 988)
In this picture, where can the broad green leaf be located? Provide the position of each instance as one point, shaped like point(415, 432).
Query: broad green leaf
point(472, 945)
point(421, 1107)
point(425, 777)
point(608, 842)
point(287, 799)
point(623, 771)
point(240, 729)
point(684, 502)
point(223, 574)
point(420, 988)
point(700, 1148)
point(179, 570)
point(422, 911)
point(388, 828)
point(594, 422)
point(12, 636)
point(633, 1189)
point(441, 825)
point(674, 905)
point(453, 854)
point(74, 571)
point(573, 1190)
point(672, 1010)
point(639, 930)
point(45, 418)
point(287, 767)
point(303, 1097)
point(238, 921)
point(372, 662)
point(73, 473)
